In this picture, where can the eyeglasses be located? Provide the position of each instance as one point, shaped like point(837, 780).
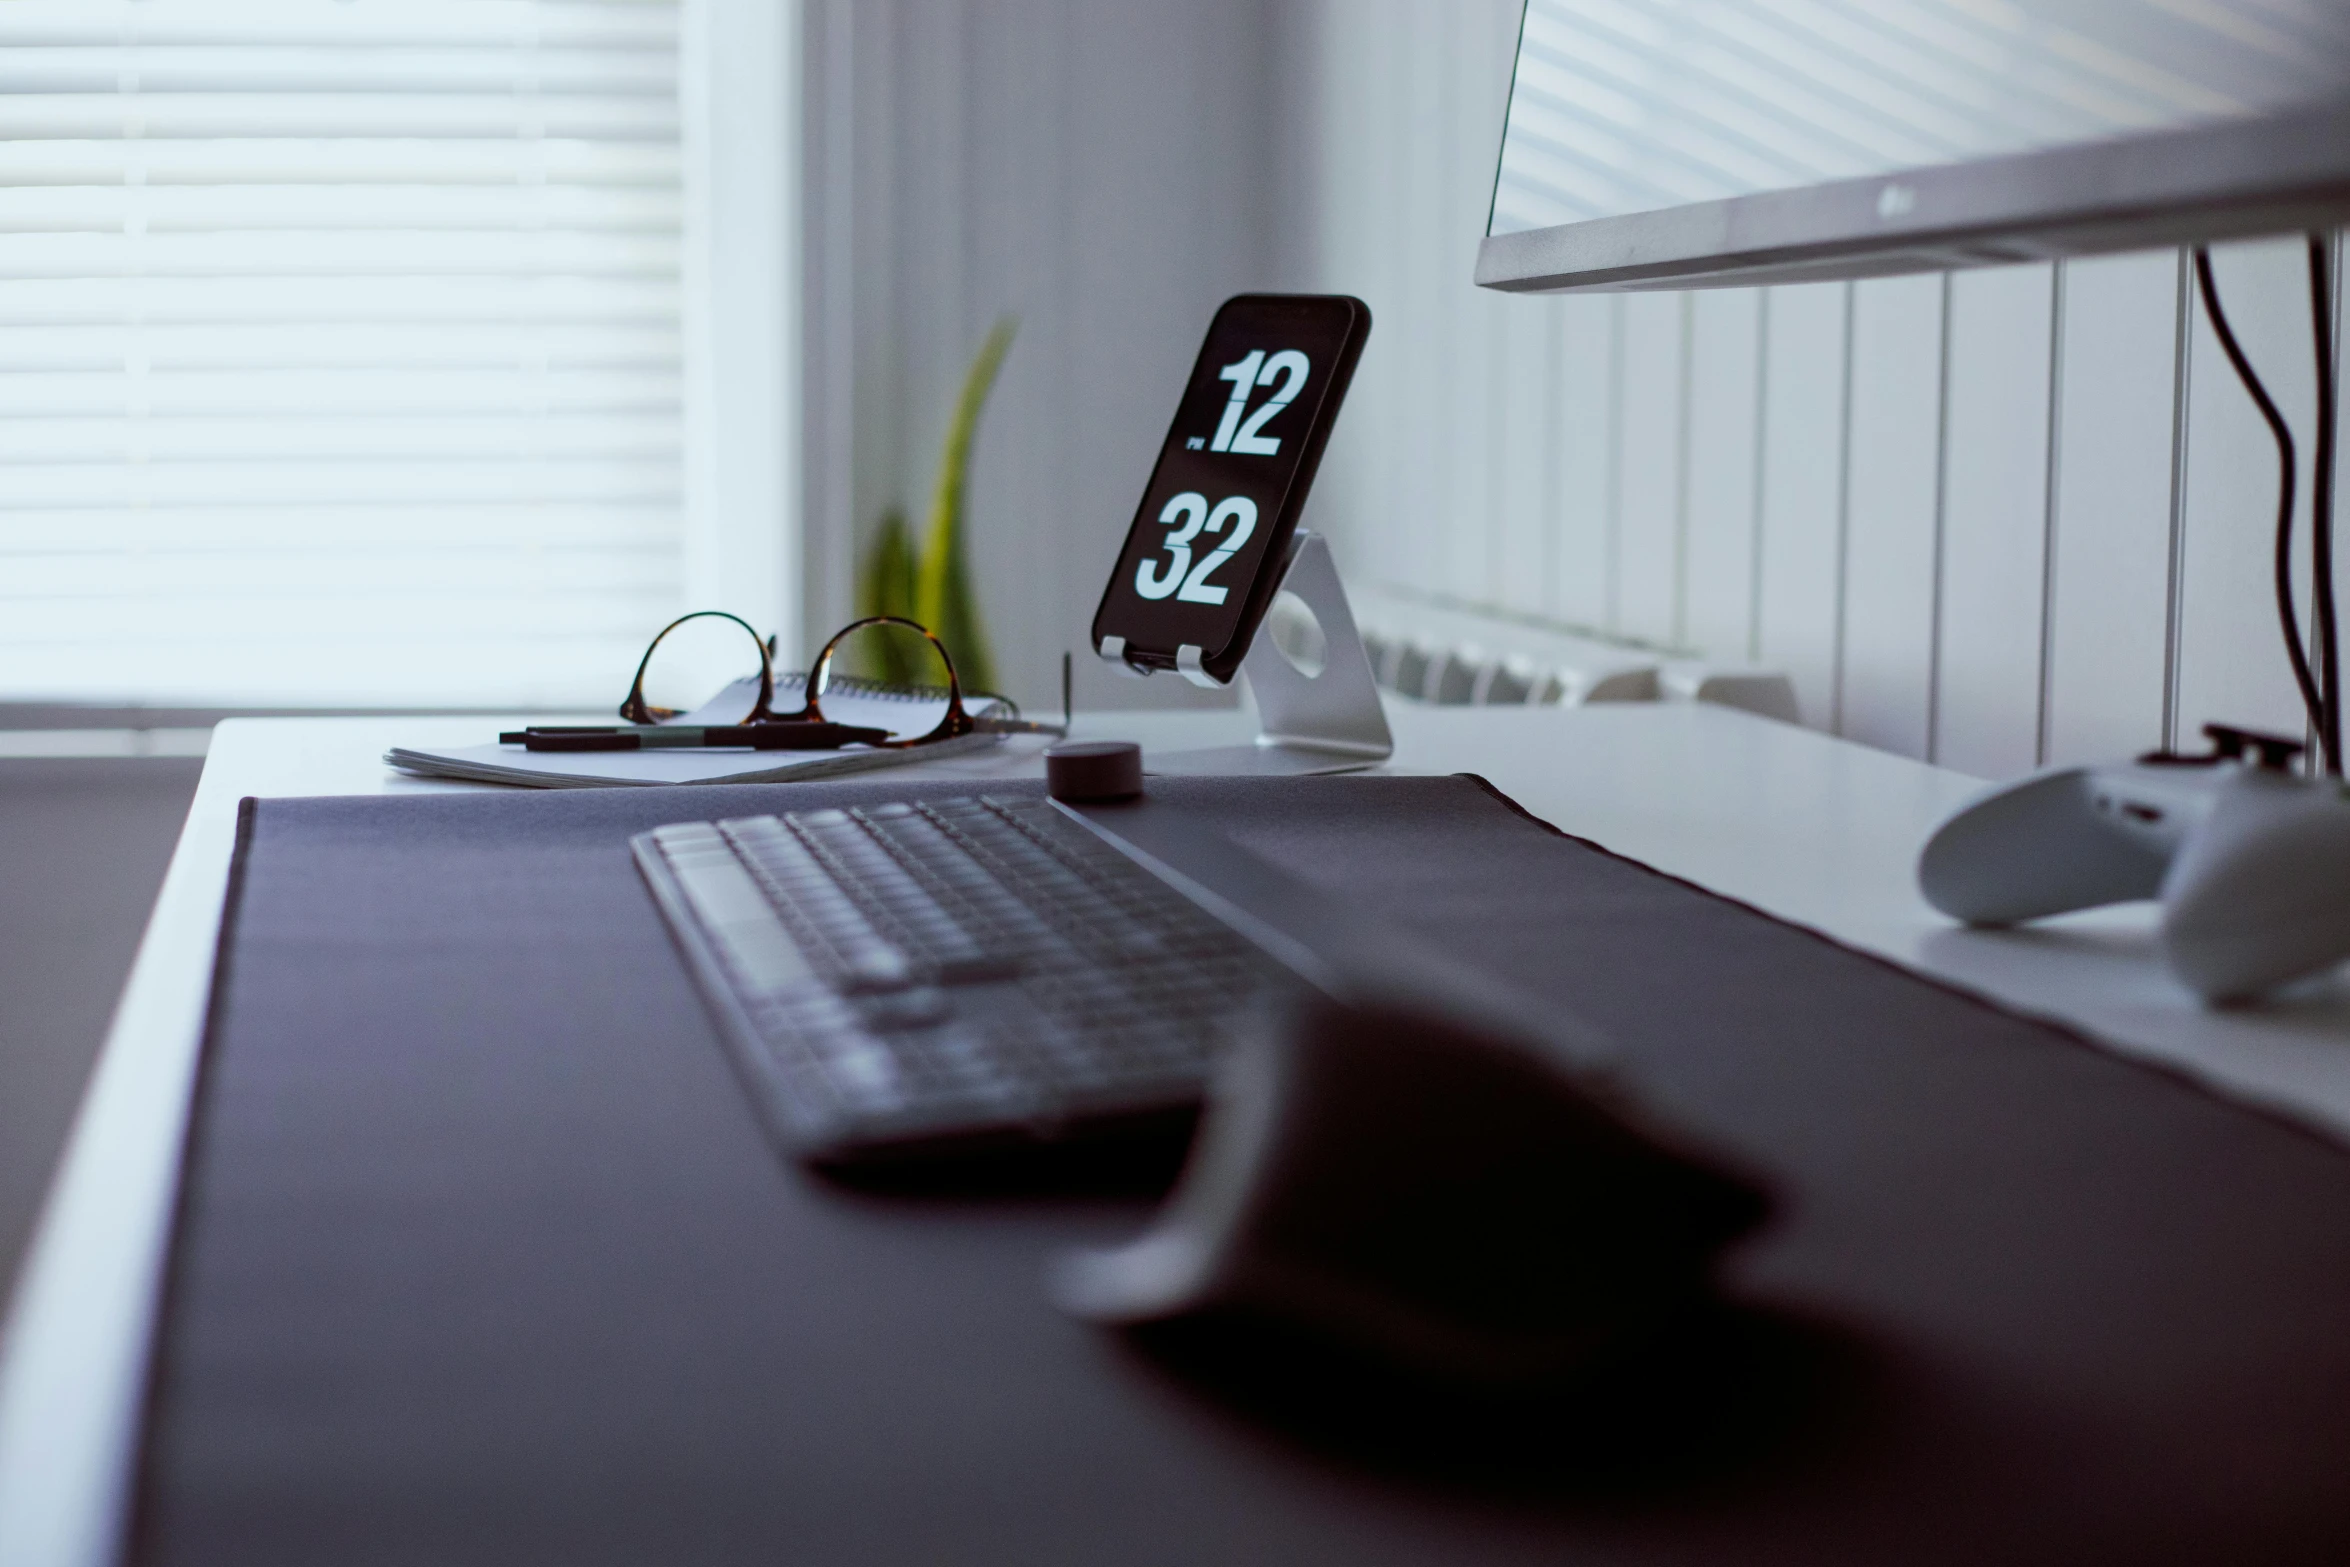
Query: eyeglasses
point(879, 653)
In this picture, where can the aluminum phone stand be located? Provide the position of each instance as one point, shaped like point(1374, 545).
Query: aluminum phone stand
point(1326, 722)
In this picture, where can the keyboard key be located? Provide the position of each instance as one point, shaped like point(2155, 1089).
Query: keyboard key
point(876, 965)
point(907, 1008)
point(867, 1076)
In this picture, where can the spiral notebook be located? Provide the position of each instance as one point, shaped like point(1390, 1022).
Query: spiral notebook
point(899, 710)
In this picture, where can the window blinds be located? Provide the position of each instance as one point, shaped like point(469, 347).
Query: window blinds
point(339, 349)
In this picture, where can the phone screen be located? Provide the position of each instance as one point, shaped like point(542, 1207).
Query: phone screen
point(1232, 478)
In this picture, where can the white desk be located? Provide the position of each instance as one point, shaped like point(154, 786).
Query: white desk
point(1814, 830)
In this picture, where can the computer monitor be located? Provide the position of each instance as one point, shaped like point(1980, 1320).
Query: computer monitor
point(1691, 143)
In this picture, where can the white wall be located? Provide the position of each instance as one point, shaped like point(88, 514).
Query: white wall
point(1990, 518)
point(1097, 167)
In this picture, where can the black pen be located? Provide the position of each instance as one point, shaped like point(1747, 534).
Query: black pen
point(795, 736)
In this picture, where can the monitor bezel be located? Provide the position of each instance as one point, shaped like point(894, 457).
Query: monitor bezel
point(2234, 179)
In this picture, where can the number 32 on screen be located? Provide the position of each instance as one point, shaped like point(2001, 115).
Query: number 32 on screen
point(1190, 516)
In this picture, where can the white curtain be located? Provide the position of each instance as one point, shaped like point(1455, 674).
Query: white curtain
point(339, 348)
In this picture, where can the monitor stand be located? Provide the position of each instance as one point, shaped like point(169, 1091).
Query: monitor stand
point(1329, 721)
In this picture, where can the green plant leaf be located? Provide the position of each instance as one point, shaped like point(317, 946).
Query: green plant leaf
point(943, 596)
point(885, 586)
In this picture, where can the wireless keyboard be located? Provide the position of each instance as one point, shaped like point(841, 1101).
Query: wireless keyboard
point(904, 975)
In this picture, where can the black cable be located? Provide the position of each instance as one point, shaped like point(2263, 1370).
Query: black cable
point(2321, 515)
point(2311, 700)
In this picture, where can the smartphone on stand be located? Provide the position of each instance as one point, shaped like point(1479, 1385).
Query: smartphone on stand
point(1203, 557)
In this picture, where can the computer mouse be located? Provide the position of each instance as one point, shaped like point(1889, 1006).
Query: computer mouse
point(1414, 1188)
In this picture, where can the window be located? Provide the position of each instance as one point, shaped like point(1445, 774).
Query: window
point(341, 348)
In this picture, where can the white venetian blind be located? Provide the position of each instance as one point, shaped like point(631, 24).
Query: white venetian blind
point(339, 348)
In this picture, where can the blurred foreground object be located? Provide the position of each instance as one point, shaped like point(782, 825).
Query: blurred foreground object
point(1424, 1196)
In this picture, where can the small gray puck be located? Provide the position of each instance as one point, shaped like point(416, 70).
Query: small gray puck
point(1079, 770)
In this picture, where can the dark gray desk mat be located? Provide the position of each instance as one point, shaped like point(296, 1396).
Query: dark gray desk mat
point(483, 1258)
